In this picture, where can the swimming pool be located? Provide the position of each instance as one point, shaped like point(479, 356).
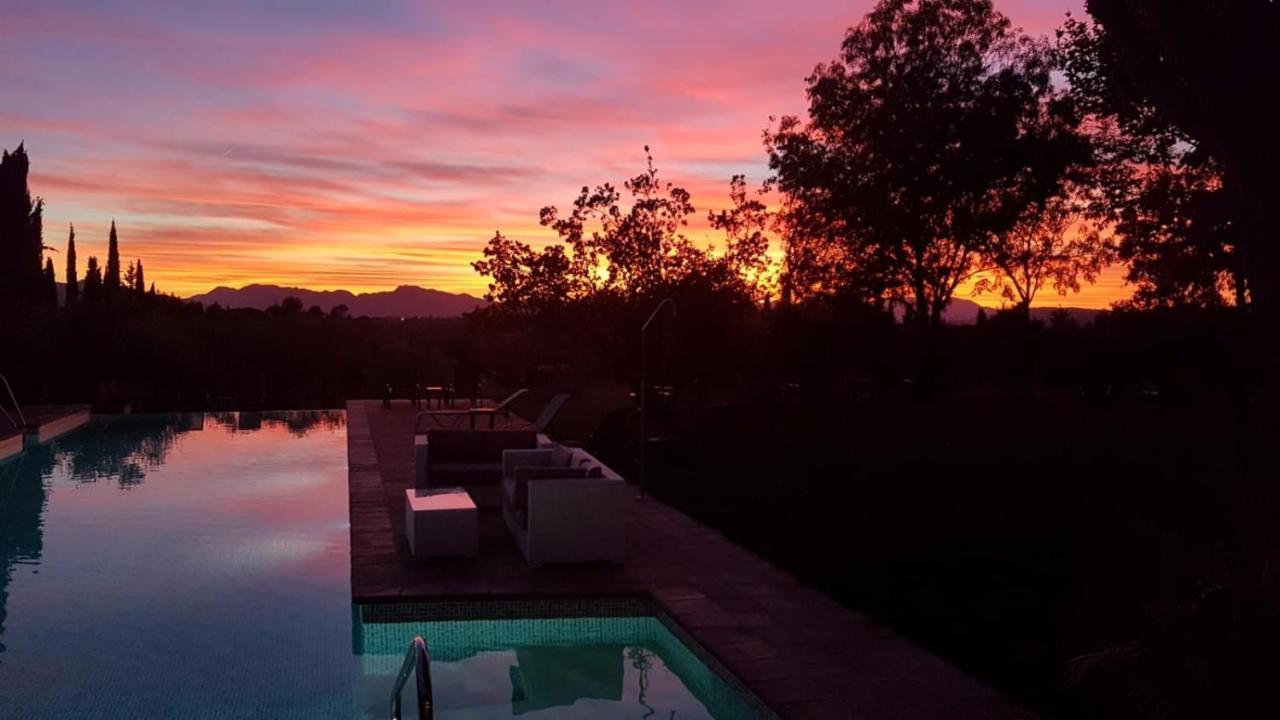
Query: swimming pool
point(518, 658)
point(197, 566)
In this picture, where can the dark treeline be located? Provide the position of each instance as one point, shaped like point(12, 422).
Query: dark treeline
point(169, 356)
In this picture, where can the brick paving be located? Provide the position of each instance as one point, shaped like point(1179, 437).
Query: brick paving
point(799, 651)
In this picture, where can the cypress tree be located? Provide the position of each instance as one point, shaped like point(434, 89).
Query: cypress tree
point(92, 282)
point(50, 283)
point(111, 280)
point(73, 280)
point(36, 291)
point(20, 230)
point(139, 285)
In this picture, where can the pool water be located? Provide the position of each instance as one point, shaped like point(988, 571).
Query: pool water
point(197, 566)
point(626, 666)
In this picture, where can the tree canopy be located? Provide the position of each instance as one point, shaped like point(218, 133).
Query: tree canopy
point(933, 131)
point(629, 253)
point(21, 232)
point(1201, 70)
point(1158, 189)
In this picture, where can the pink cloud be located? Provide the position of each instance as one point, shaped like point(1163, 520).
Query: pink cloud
point(391, 139)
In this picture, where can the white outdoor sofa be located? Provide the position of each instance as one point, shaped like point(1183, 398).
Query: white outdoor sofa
point(563, 505)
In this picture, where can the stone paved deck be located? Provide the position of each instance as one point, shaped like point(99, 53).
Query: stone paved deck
point(43, 421)
point(802, 653)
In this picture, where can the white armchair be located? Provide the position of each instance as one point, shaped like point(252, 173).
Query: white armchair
point(563, 505)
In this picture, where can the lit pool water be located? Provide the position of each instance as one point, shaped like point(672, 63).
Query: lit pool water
point(197, 566)
point(620, 666)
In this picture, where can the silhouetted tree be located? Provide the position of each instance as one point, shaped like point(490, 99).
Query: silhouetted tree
point(291, 305)
point(815, 263)
point(36, 247)
point(1201, 68)
point(21, 233)
point(1179, 241)
point(111, 278)
point(935, 129)
point(139, 280)
point(616, 258)
point(1049, 244)
point(1157, 187)
point(641, 249)
point(745, 227)
point(92, 282)
point(73, 279)
point(624, 253)
point(50, 284)
point(130, 277)
point(524, 281)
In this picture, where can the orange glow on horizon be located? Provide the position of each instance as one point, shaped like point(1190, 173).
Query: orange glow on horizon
point(359, 148)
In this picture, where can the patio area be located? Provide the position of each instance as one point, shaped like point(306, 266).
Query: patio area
point(802, 653)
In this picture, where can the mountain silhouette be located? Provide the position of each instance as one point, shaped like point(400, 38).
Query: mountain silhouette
point(965, 312)
point(404, 301)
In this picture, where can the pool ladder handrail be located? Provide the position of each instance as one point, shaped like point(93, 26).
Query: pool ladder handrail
point(416, 660)
point(16, 407)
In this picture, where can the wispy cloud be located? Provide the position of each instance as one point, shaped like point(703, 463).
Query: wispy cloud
point(340, 143)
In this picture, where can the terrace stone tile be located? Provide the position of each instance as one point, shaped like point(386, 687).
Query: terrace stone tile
point(799, 651)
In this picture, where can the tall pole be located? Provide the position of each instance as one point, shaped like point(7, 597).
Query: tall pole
point(644, 387)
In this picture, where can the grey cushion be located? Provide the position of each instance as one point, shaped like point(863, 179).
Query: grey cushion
point(462, 474)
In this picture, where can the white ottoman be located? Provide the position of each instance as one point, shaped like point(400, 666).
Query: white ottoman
point(440, 522)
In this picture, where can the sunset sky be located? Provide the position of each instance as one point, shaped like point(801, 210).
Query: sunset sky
point(363, 145)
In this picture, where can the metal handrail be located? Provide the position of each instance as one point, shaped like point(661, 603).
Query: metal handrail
point(415, 659)
point(16, 407)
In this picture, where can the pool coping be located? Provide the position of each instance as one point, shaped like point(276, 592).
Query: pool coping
point(10, 446)
point(799, 652)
